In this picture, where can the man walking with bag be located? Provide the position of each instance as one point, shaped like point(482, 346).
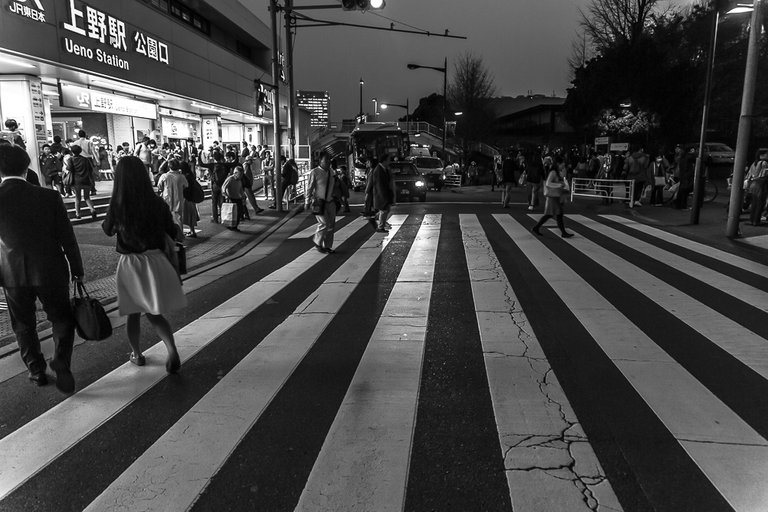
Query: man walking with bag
point(37, 255)
point(321, 197)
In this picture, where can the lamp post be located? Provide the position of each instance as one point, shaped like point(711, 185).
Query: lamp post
point(375, 107)
point(386, 105)
point(745, 123)
point(697, 177)
point(362, 83)
point(698, 189)
point(444, 71)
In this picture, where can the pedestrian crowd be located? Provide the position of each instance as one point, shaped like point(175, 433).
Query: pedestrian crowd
point(154, 196)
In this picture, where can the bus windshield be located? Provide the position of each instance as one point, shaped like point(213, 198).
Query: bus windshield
point(366, 145)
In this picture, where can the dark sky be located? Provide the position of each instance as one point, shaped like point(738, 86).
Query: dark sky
point(524, 44)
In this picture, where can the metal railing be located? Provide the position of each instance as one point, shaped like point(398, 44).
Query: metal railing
point(620, 190)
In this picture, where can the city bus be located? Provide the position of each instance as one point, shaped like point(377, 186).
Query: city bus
point(370, 141)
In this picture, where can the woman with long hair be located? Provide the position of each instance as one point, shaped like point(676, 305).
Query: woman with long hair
point(146, 280)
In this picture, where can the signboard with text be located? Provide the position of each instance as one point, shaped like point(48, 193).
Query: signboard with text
point(89, 99)
point(132, 41)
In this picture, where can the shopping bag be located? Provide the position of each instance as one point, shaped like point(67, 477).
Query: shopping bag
point(91, 321)
point(228, 214)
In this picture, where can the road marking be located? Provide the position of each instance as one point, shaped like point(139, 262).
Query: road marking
point(35, 445)
point(706, 250)
point(740, 342)
point(529, 405)
point(711, 433)
point(363, 464)
point(308, 232)
point(172, 473)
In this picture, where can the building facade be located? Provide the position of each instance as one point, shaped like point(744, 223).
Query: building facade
point(174, 70)
point(318, 103)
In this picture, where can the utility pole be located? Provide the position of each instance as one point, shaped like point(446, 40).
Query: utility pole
point(276, 106)
point(745, 123)
point(291, 89)
point(445, 106)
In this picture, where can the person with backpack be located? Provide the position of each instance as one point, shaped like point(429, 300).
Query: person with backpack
point(250, 171)
point(637, 168)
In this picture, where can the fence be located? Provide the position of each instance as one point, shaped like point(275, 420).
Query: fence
point(620, 190)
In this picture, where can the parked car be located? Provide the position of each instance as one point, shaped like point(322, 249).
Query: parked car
point(409, 182)
point(432, 169)
point(715, 153)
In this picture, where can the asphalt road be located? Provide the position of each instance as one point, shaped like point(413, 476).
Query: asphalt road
point(458, 363)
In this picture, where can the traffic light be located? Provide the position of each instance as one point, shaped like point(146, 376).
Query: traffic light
point(361, 5)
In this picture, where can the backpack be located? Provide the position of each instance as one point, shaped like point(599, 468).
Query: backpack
point(194, 192)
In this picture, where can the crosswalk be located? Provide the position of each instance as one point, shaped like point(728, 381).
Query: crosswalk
point(458, 362)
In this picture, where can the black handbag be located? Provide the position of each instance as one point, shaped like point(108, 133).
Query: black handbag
point(91, 321)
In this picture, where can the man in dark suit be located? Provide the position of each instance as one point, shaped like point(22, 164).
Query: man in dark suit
point(38, 251)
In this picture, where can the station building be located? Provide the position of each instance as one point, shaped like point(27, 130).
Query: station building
point(180, 71)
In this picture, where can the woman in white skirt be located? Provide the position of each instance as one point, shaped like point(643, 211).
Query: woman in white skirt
point(146, 280)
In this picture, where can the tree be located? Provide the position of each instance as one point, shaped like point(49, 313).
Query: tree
point(470, 92)
point(430, 110)
point(608, 23)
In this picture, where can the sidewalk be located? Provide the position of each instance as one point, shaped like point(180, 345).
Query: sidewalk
point(200, 253)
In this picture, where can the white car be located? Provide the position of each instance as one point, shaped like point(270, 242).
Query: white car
point(432, 169)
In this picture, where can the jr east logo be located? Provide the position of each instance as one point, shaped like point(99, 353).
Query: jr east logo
point(32, 9)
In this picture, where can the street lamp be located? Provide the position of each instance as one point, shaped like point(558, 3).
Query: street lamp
point(362, 83)
point(697, 180)
point(385, 106)
point(444, 71)
point(745, 123)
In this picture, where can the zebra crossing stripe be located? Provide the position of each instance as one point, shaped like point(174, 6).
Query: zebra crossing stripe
point(740, 342)
point(363, 464)
point(733, 287)
point(530, 407)
point(308, 232)
point(32, 447)
point(706, 250)
point(712, 435)
point(173, 472)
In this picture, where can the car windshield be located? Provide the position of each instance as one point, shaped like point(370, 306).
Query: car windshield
point(403, 170)
point(428, 163)
point(719, 148)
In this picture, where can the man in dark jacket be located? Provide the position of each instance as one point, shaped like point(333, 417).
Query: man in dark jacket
point(82, 174)
point(37, 254)
point(382, 191)
point(507, 179)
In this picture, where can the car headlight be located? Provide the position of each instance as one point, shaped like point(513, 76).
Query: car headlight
point(419, 183)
